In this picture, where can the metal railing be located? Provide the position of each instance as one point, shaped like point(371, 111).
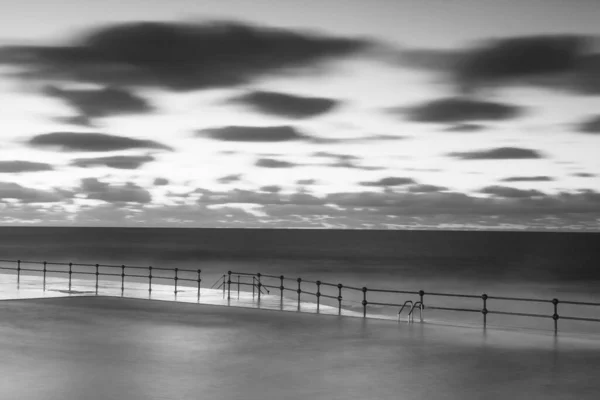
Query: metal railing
point(479, 303)
point(172, 275)
point(263, 284)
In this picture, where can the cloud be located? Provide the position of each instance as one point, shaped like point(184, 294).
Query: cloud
point(584, 175)
point(460, 109)
point(465, 128)
point(93, 142)
point(336, 156)
point(18, 166)
point(10, 190)
point(270, 188)
point(285, 105)
point(178, 56)
point(306, 181)
point(230, 178)
point(97, 103)
point(272, 163)
point(390, 181)
point(500, 153)
point(591, 125)
point(281, 133)
point(388, 209)
point(129, 192)
point(161, 182)
point(425, 188)
point(119, 162)
point(509, 192)
point(528, 179)
point(559, 62)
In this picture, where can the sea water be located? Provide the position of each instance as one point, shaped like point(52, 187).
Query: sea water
point(542, 265)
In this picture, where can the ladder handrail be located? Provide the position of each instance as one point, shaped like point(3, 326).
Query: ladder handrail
point(218, 280)
point(402, 308)
point(254, 279)
point(420, 304)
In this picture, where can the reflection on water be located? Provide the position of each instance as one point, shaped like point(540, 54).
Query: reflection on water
point(109, 348)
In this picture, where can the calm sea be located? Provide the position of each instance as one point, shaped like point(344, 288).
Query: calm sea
point(526, 264)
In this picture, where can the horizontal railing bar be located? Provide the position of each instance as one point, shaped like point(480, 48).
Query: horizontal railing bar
point(267, 286)
point(329, 284)
point(57, 272)
point(353, 288)
point(34, 270)
point(268, 276)
point(451, 309)
point(519, 314)
point(187, 279)
point(581, 319)
point(127, 275)
point(391, 291)
point(470, 296)
point(311, 293)
point(384, 304)
point(329, 297)
point(582, 303)
point(242, 273)
point(519, 299)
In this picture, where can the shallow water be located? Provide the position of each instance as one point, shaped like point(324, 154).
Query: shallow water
point(110, 348)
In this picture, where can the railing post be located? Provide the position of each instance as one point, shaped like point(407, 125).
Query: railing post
point(97, 275)
point(70, 273)
point(238, 282)
point(44, 285)
point(318, 295)
point(340, 286)
point(229, 285)
point(150, 280)
point(281, 288)
point(253, 287)
point(484, 310)
point(224, 285)
point(259, 286)
point(122, 279)
point(199, 282)
point(18, 273)
point(299, 291)
point(364, 302)
point(176, 279)
point(421, 294)
point(555, 316)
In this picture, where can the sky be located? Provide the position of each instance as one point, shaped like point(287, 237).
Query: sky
point(398, 114)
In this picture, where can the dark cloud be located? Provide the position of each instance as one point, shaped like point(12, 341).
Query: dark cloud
point(584, 175)
point(359, 140)
point(230, 178)
point(342, 161)
point(285, 105)
point(390, 181)
point(72, 141)
point(500, 153)
point(336, 156)
point(161, 182)
point(18, 166)
point(563, 62)
point(119, 162)
point(509, 192)
point(425, 188)
point(10, 190)
point(270, 188)
point(460, 109)
point(306, 181)
point(465, 128)
point(272, 163)
point(129, 192)
point(97, 103)
point(591, 125)
point(528, 179)
point(232, 133)
point(179, 56)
